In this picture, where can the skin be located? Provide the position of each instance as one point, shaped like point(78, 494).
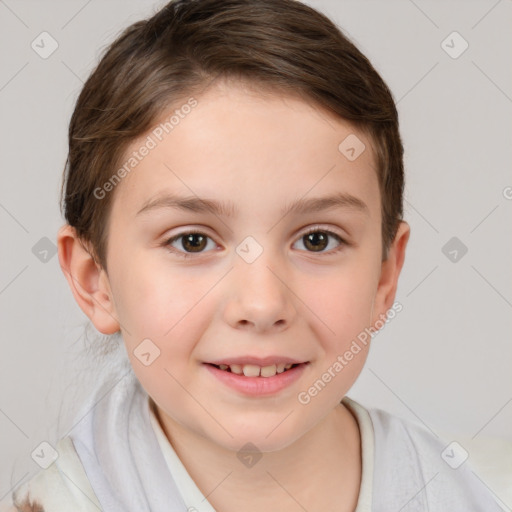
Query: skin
point(268, 151)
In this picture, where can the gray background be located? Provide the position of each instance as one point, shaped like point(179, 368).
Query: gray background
point(444, 361)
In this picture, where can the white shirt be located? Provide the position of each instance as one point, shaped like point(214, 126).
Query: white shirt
point(119, 459)
point(195, 500)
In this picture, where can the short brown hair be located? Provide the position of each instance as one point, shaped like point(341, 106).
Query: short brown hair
point(281, 45)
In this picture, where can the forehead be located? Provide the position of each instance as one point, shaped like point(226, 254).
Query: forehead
point(237, 143)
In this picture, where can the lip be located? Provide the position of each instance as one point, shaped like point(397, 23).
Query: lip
point(257, 386)
point(258, 361)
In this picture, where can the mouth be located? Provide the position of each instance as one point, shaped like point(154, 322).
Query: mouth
point(268, 378)
point(253, 370)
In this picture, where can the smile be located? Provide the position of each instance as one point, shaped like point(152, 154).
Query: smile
point(254, 380)
point(252, 370)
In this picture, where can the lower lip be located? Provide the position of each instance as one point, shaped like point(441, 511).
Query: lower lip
point(258, 386)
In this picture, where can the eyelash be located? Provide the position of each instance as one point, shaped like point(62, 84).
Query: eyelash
point(314, 229)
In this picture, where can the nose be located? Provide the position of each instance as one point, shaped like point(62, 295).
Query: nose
point(260, 296)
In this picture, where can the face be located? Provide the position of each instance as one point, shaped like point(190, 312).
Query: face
point(255, 284)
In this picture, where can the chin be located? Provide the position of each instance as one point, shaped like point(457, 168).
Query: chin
point(266, 434)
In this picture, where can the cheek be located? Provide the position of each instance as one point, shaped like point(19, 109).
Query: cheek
point(343, 302)
point(154, 302)
point(162, 314)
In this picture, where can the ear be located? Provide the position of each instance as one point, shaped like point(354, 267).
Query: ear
point(88, 281)
point(390, 271)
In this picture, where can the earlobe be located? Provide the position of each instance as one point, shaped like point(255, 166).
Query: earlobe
point(390, 272)
point(87, 280)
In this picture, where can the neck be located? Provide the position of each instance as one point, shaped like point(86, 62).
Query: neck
point(319, 471)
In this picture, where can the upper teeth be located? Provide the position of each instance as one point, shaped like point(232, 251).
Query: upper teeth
point(252, 370)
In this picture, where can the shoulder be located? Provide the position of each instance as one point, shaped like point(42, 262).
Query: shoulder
point(63, 486)
point(413, 465)
point(390, 430)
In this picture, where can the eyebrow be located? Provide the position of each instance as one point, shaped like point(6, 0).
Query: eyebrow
point(227, 208)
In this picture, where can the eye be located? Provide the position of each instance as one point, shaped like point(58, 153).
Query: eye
point(316, 239)
point(191, 242)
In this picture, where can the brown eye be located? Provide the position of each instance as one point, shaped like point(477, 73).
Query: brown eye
point(318, 240)
point(193, 242)
point(188, 243)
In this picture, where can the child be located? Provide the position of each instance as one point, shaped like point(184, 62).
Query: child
point(233, 198)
